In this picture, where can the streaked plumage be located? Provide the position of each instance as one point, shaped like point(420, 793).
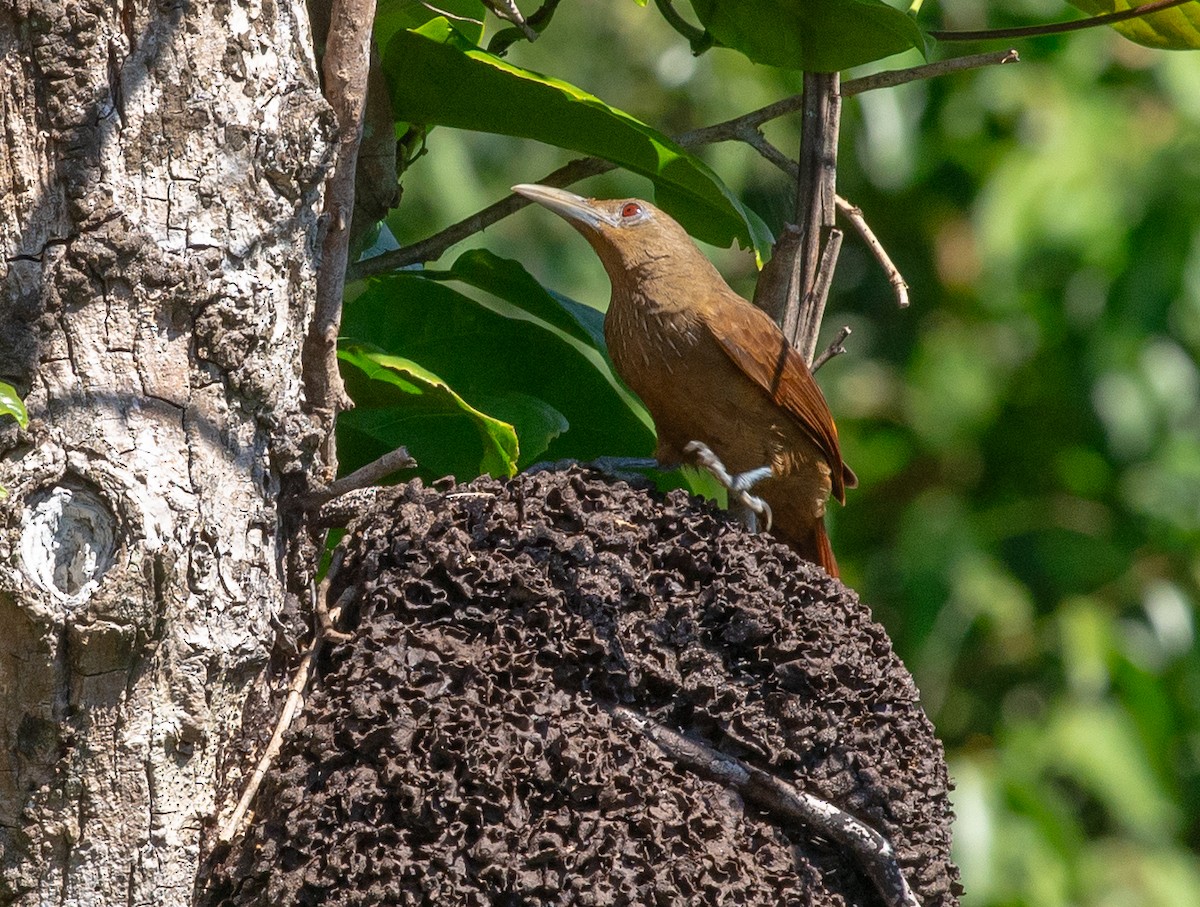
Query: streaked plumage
point(710, 366)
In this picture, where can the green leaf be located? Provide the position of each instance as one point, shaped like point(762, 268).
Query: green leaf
point(11, 404)
point(537, 422)
point(437, 77)
point(392, 16)
point(486, 348)
point(1177, 28)
point(401, 403)
point(510, 281)
point(815, 35)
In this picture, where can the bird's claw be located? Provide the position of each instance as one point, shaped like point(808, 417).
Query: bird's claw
point(749, 506)
point(742, 483)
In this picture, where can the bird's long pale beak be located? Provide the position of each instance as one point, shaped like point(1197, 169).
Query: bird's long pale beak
point(574, 208)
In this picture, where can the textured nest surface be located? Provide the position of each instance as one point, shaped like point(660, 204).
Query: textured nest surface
point(461, 748)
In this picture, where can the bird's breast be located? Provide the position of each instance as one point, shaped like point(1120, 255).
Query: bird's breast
point(649, 345)
point(671, 361)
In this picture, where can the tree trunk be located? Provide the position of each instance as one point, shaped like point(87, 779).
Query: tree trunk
point(161, 168)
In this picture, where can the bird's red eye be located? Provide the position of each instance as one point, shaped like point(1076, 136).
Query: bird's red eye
point(631, 209)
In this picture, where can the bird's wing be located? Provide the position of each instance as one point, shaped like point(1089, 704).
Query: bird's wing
point(756, 345)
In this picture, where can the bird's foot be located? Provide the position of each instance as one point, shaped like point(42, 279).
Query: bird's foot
point(748, 507)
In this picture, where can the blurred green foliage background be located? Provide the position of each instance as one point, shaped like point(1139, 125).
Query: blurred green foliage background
point(1027, 435)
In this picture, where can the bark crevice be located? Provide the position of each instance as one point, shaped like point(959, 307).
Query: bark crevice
point(157, 262)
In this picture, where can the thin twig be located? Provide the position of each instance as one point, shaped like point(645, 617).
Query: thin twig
point(326, 615)
point(894, 77)
point(854, 214)
point(759, 142)
point(836, 347)
point(814, 308)
point(873, 851)
point(371, 474)
point(1057, 28)
point(537, 21)
point(322, 615)
point(433, 247)
point(730, 130)
point(295, 699)
point(735, 129)
point(346, 64)
point(451, 15)
point(508, 11)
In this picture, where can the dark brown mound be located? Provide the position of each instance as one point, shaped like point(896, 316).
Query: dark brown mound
point(458, 750)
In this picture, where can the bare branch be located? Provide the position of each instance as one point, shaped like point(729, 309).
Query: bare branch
point(346, 64)
point(854, 214)
point(371, 474)
point(873, 851)
point(851, 212)
point(894, 77)
point(836, 347)
point(433, 247)
point(730, 130)
point(756, 140)
point(742, 128)
point(815, 211)
point(813, 309)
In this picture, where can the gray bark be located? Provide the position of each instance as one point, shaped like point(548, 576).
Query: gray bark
point(161, 170)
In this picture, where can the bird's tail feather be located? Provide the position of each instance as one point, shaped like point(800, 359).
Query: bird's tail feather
point(824, 550)
point(812, 544)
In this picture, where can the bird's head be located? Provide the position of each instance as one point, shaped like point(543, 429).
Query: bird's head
point(631, 236)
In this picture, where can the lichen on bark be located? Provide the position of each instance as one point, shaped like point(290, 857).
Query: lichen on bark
point(163, 165)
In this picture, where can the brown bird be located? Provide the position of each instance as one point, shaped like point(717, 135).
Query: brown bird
point(711, 367)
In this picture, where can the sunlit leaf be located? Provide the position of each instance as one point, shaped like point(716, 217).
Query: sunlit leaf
point(510, 281)
point(12, 405)
point(401, 403)
point(1177, 28)
point(816, 35)
point(438, 77)
point(537, 423)
point(392, 16)
point(493, 353)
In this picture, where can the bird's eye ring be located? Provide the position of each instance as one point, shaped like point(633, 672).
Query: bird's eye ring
point(630, 210)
